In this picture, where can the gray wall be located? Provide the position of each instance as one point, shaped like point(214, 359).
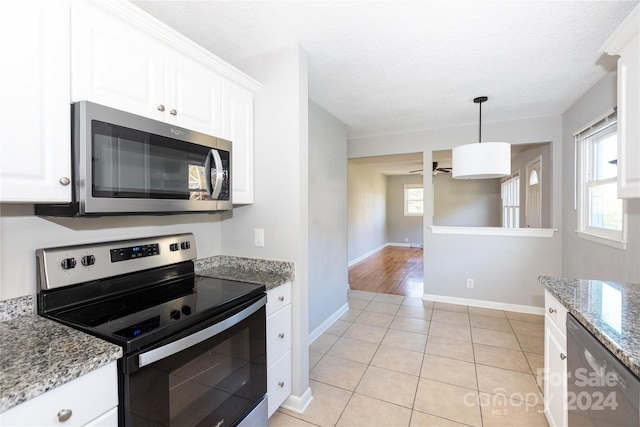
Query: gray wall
point(466, 202)
point(367, 193)
point(399, 226)
point(582, 258)
point(328, 271)
point(21, 233)
point(506, 268)
point(281, 174)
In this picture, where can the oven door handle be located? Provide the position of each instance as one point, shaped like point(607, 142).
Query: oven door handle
point(196, 338)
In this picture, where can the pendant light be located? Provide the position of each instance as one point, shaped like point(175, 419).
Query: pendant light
point(482, 160)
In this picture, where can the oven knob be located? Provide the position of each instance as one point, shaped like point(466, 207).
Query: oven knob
point(186, 310)
point(68, 263)
point(185, 245)
point(88, 260)
point(175, 314)
point(173, 247)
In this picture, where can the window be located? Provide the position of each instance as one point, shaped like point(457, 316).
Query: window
point(601, 215)
point(413, 200)
point(510, 195)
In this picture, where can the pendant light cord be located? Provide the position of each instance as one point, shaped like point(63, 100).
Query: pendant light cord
point(480, 100)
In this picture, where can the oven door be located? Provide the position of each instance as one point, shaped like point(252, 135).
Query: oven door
point(211, 376)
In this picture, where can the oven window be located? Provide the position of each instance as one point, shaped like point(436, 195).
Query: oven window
point(212, 383)
point(132, 164)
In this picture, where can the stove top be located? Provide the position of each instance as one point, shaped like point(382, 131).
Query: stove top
point(134, 293)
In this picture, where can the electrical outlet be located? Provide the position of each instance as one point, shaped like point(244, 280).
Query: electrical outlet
point(406, 239)
point(470, 283)
point(258, 236)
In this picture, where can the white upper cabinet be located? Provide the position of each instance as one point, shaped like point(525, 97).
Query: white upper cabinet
point(114, 63)
point(237, 126)
point(35, 152)
point(126, 59)
point(625, 41)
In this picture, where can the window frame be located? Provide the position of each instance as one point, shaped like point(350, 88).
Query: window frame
point(514, 210)
point(406, 200)
point(585, 165)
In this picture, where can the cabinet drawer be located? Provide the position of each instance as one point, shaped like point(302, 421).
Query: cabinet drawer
point(88, 397)
point(278, 334)
point(555, 311)
point(278, 298)
point(279, 382)
point(109, 419)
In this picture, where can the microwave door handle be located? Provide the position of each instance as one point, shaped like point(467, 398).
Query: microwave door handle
point(219, 174)
point(207, 173)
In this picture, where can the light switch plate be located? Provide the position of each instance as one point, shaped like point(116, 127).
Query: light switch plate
point(258, 236)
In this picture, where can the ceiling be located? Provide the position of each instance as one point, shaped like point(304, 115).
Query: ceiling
point(394, 66)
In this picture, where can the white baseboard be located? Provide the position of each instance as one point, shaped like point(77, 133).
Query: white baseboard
point(401, 245)
point(327, 323)
point(529, 309)
point(298, 404)
point(368, 254)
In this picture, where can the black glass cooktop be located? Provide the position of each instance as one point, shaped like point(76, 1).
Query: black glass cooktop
point(137, 318)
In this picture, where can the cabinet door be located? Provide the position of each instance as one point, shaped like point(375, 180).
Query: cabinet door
point(87, 398)
point(555, 381)
point(237, 126)
point(114, 63)
point(278, 334)
point(628, 120)
point(193, 94)
point(35, 121)
point(279, 382)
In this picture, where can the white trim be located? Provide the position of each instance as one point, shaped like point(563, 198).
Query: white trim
point(366, 255)
point(298, 404)
point(402, 245)
point(529, 309)
point(494, 231)
point(327, 323)
point(621, 36)
point(614, 243)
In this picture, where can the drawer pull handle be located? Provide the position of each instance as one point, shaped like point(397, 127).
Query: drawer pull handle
point(281, 335)
point(64, 415)
point(563, 356)
point(173, 112)
point(160, 107)
point(552, 310)
point(280, 298)
point(281, 384)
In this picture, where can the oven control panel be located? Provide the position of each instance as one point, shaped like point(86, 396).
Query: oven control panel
point(123, 254)
point(71, 265)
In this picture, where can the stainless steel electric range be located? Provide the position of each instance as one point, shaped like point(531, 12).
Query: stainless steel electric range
point(194, 347)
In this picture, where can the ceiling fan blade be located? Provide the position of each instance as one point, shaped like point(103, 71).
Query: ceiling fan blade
point(417, 170)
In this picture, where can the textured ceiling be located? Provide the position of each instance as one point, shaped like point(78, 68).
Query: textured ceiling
point(395, 66)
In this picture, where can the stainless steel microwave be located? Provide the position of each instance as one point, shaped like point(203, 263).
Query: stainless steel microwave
point(124, 164)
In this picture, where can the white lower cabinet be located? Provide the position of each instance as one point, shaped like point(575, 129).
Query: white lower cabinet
point(555, 362)
point(91, 399)
point(278, 346)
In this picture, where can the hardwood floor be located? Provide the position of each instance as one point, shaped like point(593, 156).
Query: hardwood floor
point(393, 270)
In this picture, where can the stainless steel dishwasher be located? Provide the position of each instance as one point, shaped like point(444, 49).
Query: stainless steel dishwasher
point(601, 390)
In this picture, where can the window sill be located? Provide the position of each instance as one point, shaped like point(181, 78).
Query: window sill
point(618, 244)
point(494, 231)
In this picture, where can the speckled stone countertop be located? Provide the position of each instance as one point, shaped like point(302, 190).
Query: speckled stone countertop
point(609, 310)
point(38, 354)
point(252, 270)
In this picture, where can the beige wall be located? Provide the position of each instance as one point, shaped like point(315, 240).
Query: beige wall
point(466, 202)
point(367, 193)
point(399, 226)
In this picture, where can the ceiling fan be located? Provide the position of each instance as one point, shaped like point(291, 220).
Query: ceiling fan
point(435, 169)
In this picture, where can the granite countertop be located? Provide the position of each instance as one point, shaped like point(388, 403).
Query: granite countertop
point(609, 310)
point(38, 354)
point(252, 270)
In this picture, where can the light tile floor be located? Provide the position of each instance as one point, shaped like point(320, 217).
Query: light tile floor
point(400, 361)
